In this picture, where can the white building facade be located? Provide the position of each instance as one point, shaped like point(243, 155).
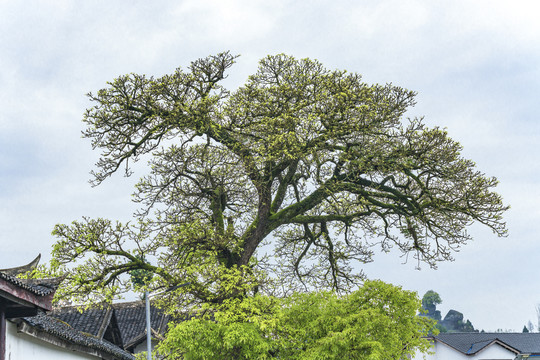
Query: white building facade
point(483, 346)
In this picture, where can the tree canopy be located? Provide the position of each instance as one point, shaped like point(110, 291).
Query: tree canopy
point(430, 300)
point(318, 165)
point(378, 321)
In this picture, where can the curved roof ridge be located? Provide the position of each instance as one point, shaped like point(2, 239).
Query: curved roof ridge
point(14, 271)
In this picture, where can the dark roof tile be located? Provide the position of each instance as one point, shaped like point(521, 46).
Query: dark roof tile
point(89, 321)
point(471, 343)
point(131, 318)
point(65, 332)
point(40, 287)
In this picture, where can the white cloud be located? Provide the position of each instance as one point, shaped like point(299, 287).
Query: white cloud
point(229, 21)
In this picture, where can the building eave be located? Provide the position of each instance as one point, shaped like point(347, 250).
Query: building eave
point(57, 341)
point(24, 297)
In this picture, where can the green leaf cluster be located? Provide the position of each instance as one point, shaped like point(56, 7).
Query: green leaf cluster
point(378, 321)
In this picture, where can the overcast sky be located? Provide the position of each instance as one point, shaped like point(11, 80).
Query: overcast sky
point(474, 64)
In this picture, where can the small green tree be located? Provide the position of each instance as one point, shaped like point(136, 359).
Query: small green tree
point(378, 321)
point(430, 300)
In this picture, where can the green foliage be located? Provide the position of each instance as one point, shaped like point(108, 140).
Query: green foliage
point(430, 299)
point(378, 321)
point(140, 277)
point(440, 328)
point(313, 162)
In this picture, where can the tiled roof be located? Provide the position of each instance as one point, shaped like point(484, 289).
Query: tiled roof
point(90, 321)
point(476, 347)
point(471, 343)
point(131, 318)
point(61, 330)
point(40, 287)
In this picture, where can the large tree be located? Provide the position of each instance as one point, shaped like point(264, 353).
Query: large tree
point(318, 165)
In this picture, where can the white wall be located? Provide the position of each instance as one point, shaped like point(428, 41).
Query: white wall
point(21, 346)
point(444, 352)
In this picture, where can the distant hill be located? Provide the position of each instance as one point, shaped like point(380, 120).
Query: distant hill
point(452, 322)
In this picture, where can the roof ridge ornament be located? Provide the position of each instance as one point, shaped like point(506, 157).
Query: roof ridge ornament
point(14, 271)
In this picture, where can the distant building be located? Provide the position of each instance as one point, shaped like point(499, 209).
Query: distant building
point(480, 346)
